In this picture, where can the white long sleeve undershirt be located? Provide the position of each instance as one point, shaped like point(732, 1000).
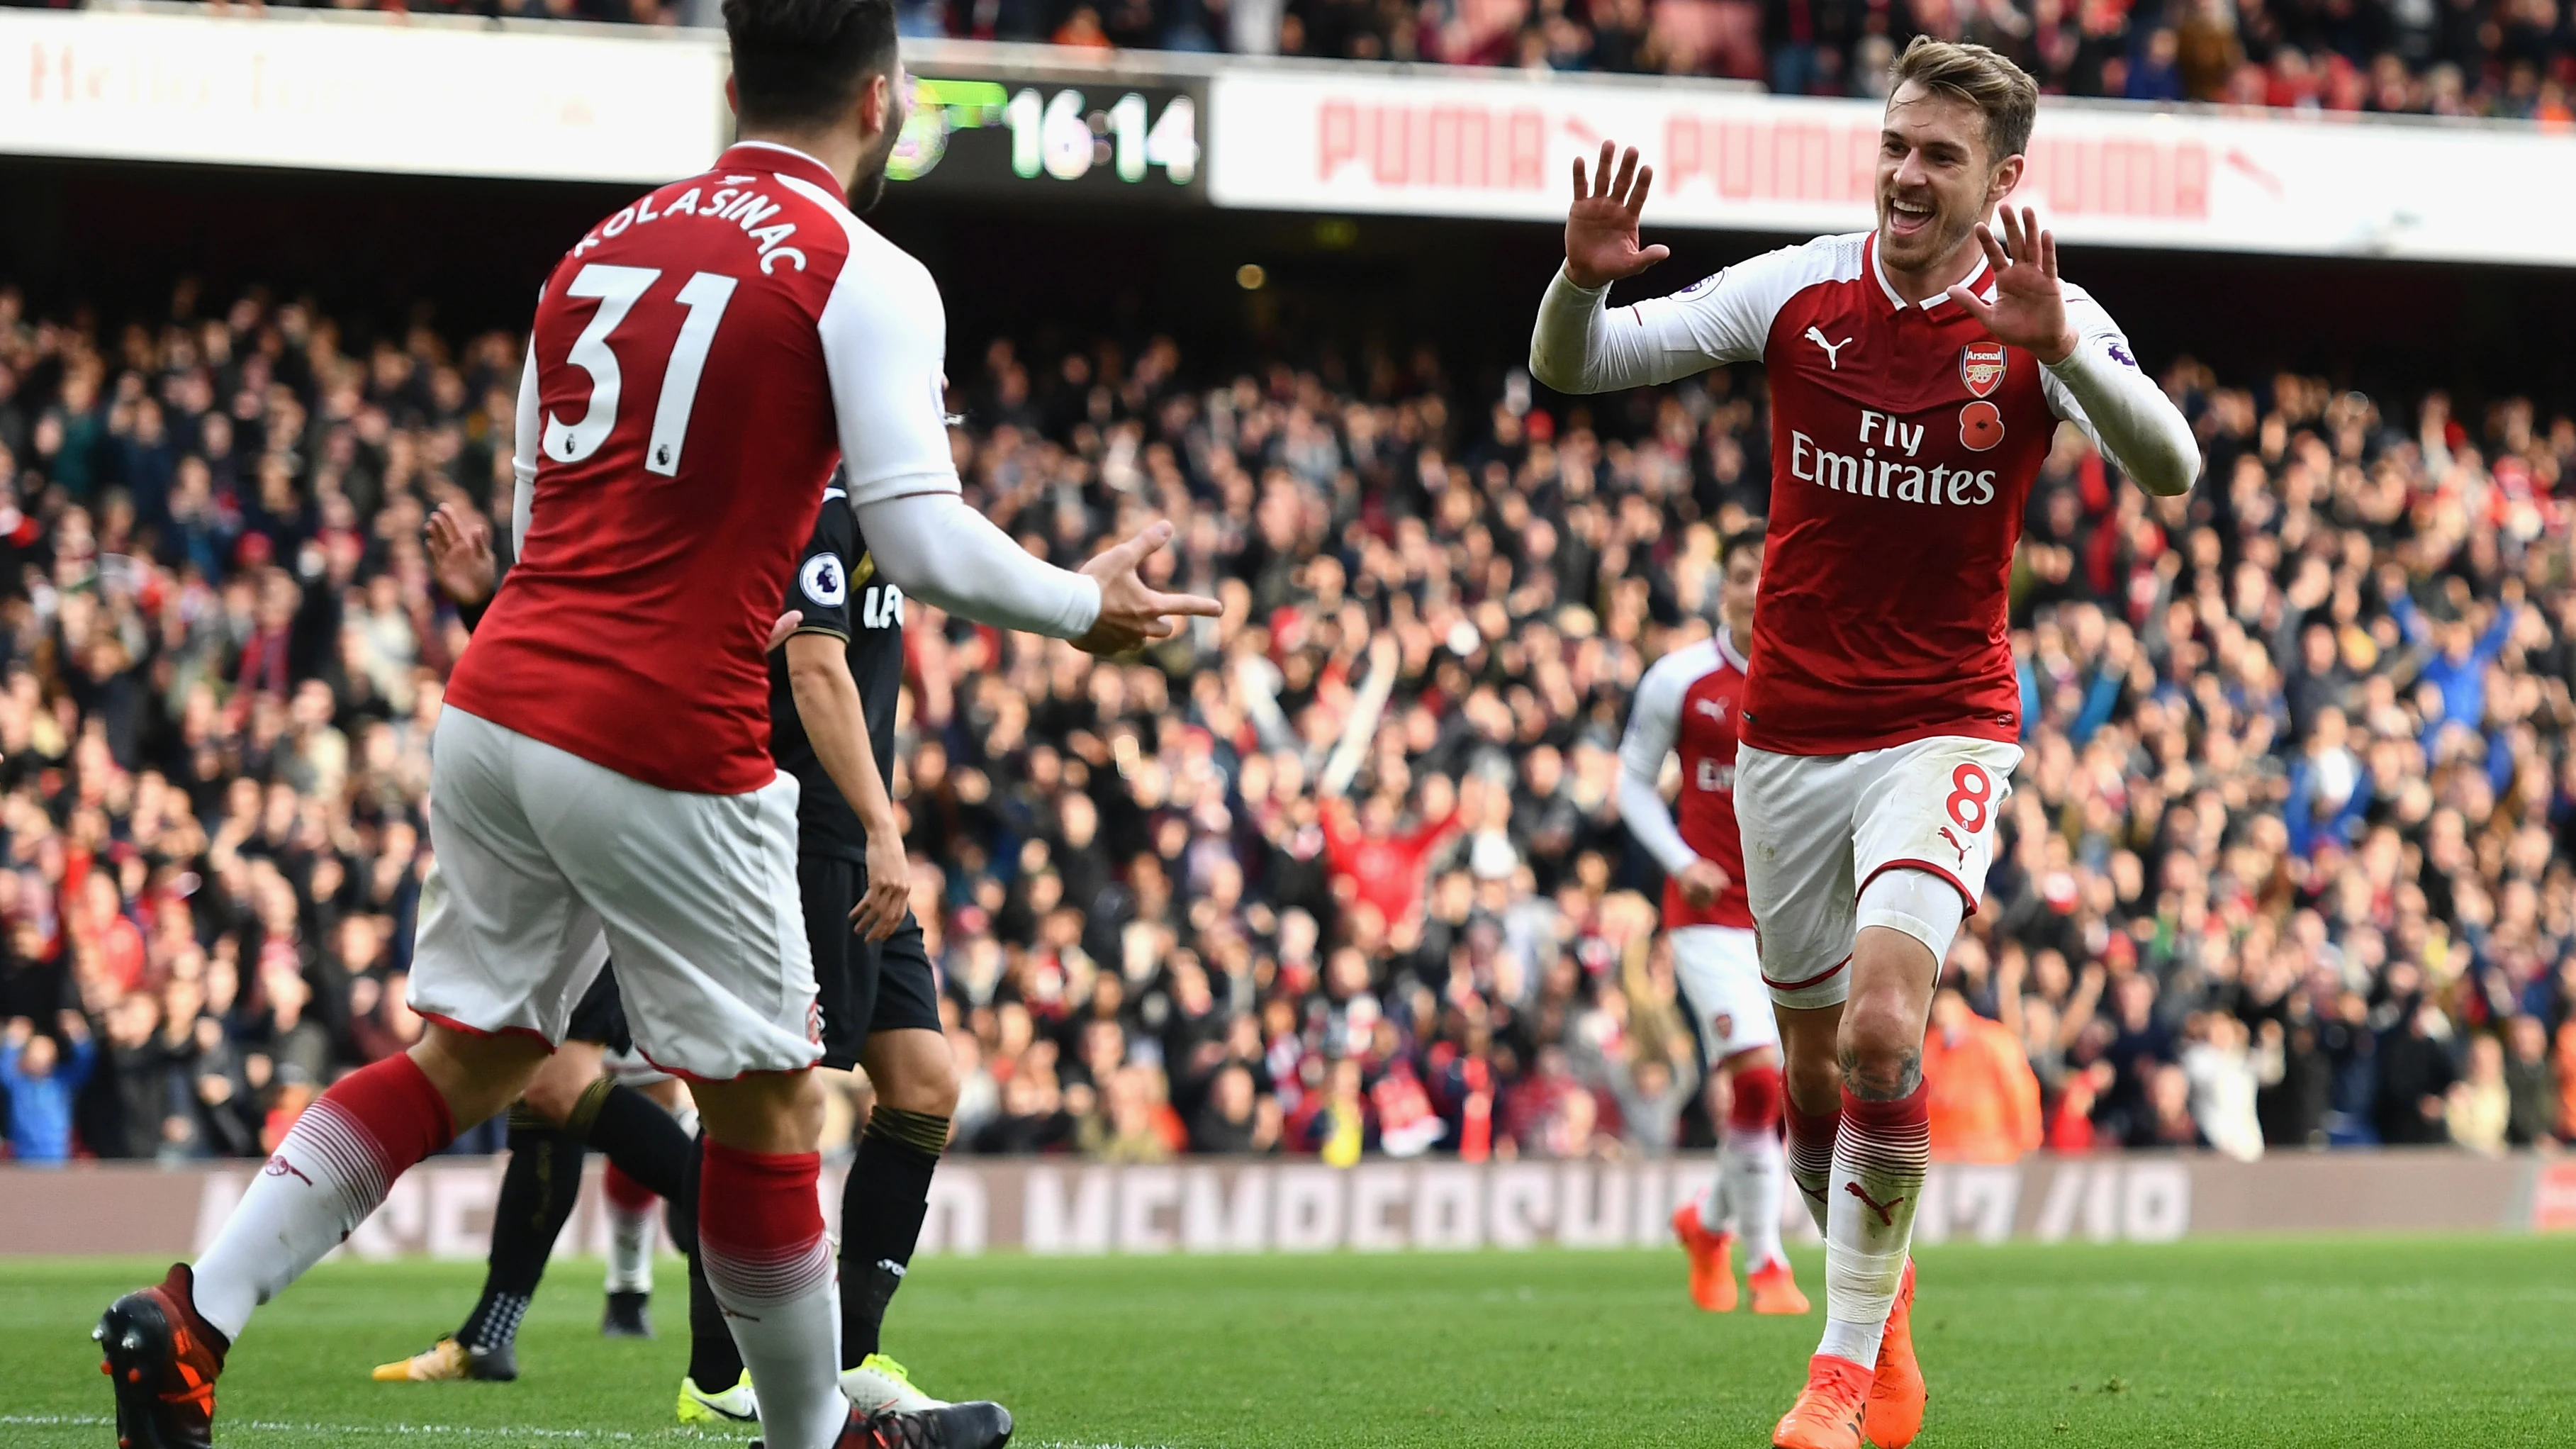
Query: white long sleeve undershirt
point(1579, 345)
point(937, 549)
point(1642, 808)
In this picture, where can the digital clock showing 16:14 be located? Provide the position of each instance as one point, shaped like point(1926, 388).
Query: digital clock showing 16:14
point(994, 136)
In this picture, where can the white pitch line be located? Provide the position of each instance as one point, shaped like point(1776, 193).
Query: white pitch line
point(509, 1432)
point(272, 1426)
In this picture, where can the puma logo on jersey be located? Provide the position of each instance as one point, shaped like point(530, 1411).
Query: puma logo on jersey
point(1945, 834)
point(1714, 708)
point(1832, 363)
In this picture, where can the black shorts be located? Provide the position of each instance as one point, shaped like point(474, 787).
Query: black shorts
point(600, 1018)
point(866, 986)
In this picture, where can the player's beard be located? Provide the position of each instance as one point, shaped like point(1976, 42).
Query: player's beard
point(868, 188)
point(1949, 227)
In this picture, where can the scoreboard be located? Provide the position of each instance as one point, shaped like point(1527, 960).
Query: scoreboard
point(1099, 138)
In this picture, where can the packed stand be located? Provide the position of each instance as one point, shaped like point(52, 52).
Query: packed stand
point(2508, 59)
point(1343, 871)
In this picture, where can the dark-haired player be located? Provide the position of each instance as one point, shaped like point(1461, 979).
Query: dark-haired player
point(602, 769)
point(836, 683)
point(1688, 703)
point(1918, 373)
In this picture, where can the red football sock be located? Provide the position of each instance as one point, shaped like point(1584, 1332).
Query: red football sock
point(761, 1242)
point(1811, 1153)
point(334, 1167)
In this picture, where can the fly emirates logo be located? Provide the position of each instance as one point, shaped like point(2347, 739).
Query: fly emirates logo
point(1883, 468)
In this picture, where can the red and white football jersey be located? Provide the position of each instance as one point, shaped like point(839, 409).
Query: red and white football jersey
point(699, 362)
point(1904, 443)
point(1689, 701)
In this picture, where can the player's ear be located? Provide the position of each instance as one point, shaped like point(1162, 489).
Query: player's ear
point(733, 95)
point(876, 104)
point(2007, 177)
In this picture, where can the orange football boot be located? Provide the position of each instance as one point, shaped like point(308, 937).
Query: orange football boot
point(1896, 1391)
point(1830, 1410)
point(1712, 1260)
point(1775, 1288)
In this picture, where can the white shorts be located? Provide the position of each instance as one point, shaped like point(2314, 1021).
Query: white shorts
point(1719, 970)
point(544, 863)
point(1817, 828)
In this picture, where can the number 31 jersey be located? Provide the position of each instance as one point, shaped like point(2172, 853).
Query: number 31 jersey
point(699, 362)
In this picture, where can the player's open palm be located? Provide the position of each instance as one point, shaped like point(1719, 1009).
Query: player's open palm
point(1133, 612)
point(1601, 227)
point(460, 553)
point(2029, 309)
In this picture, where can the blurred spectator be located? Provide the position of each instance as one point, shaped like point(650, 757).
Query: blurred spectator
point(1984, 1096)
point(2529, 1089)
point(2480, 1106)
point(42, 1078)
point(2225, 1075)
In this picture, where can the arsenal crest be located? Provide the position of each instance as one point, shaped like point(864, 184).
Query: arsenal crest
point(1981, 367)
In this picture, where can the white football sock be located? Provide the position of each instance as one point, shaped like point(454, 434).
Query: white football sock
point(1717, 1205)
point(1880, 1158)
point(1755, 1174)
point(630, 1249)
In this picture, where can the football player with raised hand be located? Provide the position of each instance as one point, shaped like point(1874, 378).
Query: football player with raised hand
point(1918, 373)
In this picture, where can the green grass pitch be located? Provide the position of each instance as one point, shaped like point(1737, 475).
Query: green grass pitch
point(2346, 1342)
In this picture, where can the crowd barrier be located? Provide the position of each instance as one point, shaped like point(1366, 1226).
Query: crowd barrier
point(1039, 1205)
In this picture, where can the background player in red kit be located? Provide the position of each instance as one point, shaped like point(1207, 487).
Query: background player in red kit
point(1689, 702)
point(1918, 373)
point(603, 778)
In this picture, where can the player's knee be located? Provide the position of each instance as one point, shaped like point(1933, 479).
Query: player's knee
point(1813, 1080)
point(1882, 1046)
point(551, 1097)
point(924, 1086)
point(1757, 1098)
point(764, 1113)
point(477, 1074)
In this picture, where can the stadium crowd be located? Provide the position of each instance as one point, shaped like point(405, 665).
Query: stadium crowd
point(2288, 863)
point(2499, 58)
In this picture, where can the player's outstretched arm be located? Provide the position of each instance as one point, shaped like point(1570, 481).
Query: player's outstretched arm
point(2093, 379)
point(934, 547)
